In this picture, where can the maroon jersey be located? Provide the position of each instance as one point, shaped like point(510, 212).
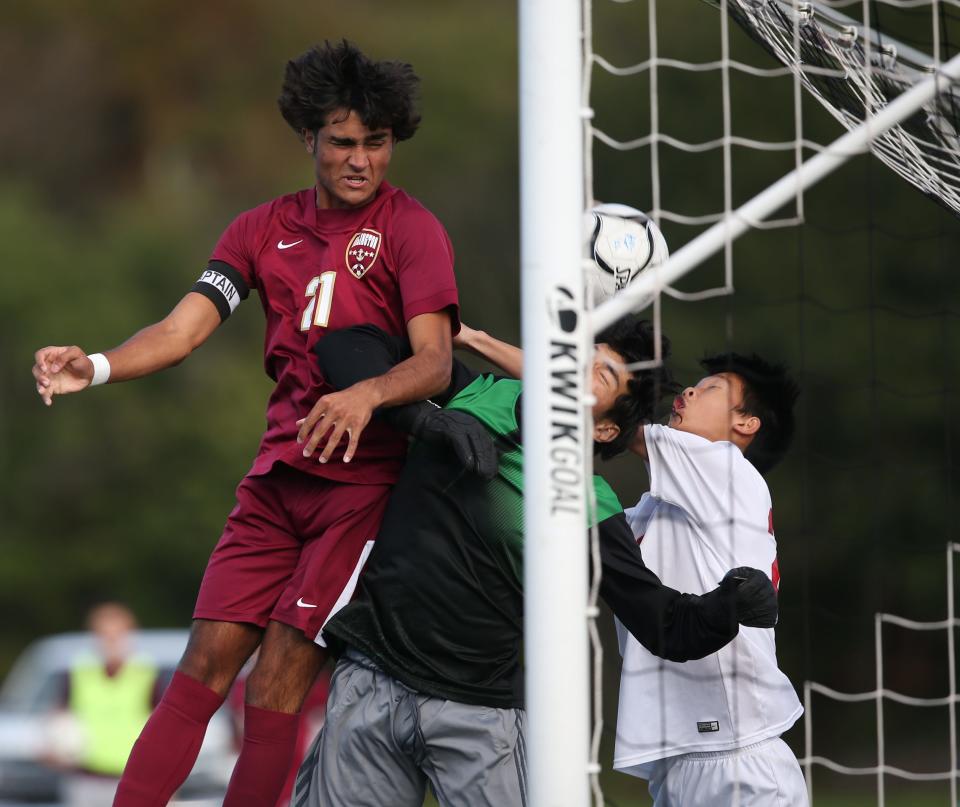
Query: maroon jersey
point(319, 270)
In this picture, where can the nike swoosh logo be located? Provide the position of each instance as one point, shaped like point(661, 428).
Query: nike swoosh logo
point(281, 245)
point(303, 604)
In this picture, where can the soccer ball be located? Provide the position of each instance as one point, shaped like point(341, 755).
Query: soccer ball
point(620, 243)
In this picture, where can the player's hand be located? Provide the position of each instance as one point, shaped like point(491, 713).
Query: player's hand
point(340, 413)
point(60, 370)
point(755, 596)
point(465, 435)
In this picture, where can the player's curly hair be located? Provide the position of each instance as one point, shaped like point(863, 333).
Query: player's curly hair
point(634, 339)
point(332, 77)
point(769, 393)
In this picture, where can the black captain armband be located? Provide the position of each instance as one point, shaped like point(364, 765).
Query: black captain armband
point(223, 286)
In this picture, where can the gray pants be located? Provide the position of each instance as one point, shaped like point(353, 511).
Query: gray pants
point(382, 742)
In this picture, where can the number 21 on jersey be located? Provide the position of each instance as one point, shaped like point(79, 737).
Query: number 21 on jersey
point(320, 294)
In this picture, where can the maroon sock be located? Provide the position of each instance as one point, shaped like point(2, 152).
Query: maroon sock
point(168, 745)
point(269, 740)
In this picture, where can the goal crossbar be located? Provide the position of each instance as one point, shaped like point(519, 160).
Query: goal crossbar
point(639, 293)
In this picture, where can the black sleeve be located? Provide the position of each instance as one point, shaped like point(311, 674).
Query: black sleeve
point(675, 626)
point(355, 354)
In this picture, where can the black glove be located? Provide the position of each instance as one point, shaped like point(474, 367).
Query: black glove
point(470, 441)
point(754, 596)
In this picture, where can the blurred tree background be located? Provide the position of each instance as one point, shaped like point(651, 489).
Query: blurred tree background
point(131, 134)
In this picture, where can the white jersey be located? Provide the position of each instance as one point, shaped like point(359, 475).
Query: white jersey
point(708, 510)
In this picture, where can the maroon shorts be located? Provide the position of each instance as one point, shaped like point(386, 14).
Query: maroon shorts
point(291, 551)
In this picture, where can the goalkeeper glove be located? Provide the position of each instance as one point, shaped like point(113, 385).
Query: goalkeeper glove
point(755, 598)
point(463, 433)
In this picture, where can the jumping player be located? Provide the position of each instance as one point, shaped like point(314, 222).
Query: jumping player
point(709, 732)
point(351, 249)
point(431, 686)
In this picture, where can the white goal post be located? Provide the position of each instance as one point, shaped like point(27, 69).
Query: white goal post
point(556, 343)
point(557, 333)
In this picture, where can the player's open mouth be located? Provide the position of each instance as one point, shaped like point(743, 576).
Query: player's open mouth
point(678, 404)
point(355, 182)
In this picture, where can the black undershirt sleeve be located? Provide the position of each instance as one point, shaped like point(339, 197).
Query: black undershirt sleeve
point(674, 626)
point(360, 352)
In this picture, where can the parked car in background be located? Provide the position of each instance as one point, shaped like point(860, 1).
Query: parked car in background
point(34, 731)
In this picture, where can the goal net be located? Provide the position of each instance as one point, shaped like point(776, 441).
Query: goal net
point(720, 122)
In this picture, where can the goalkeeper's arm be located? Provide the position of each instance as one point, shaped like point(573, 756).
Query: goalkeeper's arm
point(355, 354)
point(499, 353)
point(669, 624)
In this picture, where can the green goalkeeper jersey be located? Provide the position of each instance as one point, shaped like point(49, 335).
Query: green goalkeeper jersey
point(440, 602)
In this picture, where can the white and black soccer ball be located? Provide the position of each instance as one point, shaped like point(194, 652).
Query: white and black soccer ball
point(620, 243)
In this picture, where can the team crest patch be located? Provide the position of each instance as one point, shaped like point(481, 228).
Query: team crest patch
point(362, 251)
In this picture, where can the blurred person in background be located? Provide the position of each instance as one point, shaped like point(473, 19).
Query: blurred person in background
point(109, 694)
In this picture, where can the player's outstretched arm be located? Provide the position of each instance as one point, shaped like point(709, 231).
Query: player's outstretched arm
point(499, 353)
point(60, 370)
point(676, 626)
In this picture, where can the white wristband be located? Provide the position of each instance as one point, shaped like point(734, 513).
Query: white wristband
point(101, 369)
